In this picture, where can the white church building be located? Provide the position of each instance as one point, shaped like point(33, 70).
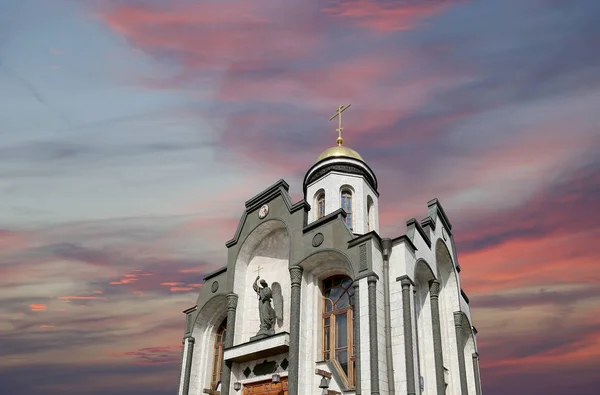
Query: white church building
point(313, 300)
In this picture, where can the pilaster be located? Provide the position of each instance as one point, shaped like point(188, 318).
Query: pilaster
point(189, 346)
point(294, 350)
point(406, 283)
point(458, 326)
point(373, 346)
point(232, 300)
point(476, 372)
point(356, 335)
point(434, 293)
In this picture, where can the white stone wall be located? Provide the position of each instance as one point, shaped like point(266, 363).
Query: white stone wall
point(365, 347)
point(469, 350)
point(398, 262)
point(332, 184)
point(204, 332)
point(425, 337)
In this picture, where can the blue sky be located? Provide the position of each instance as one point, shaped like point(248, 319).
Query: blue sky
point(134, 131)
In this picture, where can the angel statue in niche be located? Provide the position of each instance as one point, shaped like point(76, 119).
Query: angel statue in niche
point(268, 315)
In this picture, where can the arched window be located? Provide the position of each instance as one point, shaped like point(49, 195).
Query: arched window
point(370, 214)
point(320, 202)
point(346, 203)
point(218, 355)
point(338, 324)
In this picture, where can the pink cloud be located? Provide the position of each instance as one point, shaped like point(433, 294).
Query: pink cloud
point(171, 284)
point(69, 298)
point(381, 17)
point(37, 307)
point(180, 289)
point(47, 326)
point(209, 35)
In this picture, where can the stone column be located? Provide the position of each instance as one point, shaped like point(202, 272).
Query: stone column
point(356, 336)
point(408, 335)
point(189, 347)
point(434, 293)
point(458, 326)
point(373, 344)
point(232, 300)
point(294, 354)
point(476, 373)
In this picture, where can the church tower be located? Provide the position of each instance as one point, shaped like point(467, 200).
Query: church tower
point(312, 300)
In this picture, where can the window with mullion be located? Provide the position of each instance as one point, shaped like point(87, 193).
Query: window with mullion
point(346, 203)
point(218, 355)
point(320, 205)
point(337, 323)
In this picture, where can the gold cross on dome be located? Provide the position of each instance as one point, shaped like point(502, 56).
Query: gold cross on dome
point(338, 113)
point(258, 269)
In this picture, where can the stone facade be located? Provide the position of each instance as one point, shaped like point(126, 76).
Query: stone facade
point(412, 328)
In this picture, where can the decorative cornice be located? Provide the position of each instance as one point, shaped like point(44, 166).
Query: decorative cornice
point(320, 169)
point(412, 224)
point(428, 221)
point(405, 281)
point(365, 274)
point(215, 273)
point(372, 235)
point(280, 188)
point(274, 190)
point(340, 212)
point(405, 239)
point(435, 209)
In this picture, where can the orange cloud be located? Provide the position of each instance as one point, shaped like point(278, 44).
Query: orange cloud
point(37, 307)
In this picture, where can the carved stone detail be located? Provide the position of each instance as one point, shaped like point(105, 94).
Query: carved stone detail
point(232, 301)
point(318, 239)
point(296, 275)
point(214, 287)
point(344, 168)
point(434, 288)
point(362, 253)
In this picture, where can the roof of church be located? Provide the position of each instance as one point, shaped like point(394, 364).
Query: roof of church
point(340, 151)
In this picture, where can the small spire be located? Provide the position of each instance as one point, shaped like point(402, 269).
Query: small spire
point(338, 113)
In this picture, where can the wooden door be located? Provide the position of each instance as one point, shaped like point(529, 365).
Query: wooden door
point(267, 388)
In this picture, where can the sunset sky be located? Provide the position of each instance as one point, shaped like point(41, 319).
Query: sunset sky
point(133, 131)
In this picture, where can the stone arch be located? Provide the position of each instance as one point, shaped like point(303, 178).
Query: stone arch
point(268, 247)
point(209, 317)
point(316, 267)
point(423, 323)
point(449, 303)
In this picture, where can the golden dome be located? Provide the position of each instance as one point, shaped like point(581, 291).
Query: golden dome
point(339, 151)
